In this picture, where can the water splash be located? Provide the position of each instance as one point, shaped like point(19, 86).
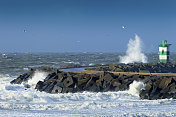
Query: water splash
point(38, 76)
point(134, 52)
point(135, 87)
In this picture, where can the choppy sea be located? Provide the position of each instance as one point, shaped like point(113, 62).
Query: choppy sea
point(17, 101)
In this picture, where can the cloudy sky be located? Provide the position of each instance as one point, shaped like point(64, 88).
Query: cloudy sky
point(85, 25)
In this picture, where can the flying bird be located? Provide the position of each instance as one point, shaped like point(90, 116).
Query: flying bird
point(123, 27)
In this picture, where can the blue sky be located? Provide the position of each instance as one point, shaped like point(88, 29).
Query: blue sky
point(85, 25)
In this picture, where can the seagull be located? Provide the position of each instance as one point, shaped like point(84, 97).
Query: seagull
point(24, 30)
point(123, 27)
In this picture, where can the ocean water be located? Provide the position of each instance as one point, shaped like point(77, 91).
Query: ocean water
point(17, 101)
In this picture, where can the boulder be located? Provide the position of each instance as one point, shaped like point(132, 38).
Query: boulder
point(68, 82)
point(56, 89)
point(22, 78)
point(164, 83)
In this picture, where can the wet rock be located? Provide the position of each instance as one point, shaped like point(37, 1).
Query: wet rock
point(148, 86)
point(141, 68)
point(94, 88)
point(39, 86)
point(68, 82)
point(56, 89)
point(83, 79)
point(164, 83)
point(116, 83)
point(22, 78)
point(157, 87)
point(118, 70)
point(67, 90)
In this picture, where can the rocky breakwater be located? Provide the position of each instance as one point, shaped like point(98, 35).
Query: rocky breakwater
point(157, 86)
point(141, 68)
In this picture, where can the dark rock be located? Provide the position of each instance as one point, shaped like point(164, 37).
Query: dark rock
point(164, 83)
point(148, 86)
point(172, 88)
point(22, 78)
point(144, 94)
point(51, 76)
point(60, 77)
point(142, 68)
point(94, 88)
point(39, 86)
point(67, 90)
point(83, 79)
point(116, 83)
point(117, 89)
point(118, 70)
point(56, 89)
point(68, 81)
point(157, 86)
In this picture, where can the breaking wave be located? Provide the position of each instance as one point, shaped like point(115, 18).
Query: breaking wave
point(38, 76)
point(134, 52)
point(16, 100)
point(135, 88)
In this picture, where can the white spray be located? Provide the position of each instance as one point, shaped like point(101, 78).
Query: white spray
point(38, 76)
point(135, 87)
point(134, 53)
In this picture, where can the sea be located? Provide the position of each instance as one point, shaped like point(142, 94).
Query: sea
point(19, 101)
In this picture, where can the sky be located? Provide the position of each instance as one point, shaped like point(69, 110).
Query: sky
point(85, 25)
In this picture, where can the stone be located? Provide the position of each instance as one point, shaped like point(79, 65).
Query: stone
point(144, 71)
point(172, 89)
point(164, 83)
point(60, 77)
point(68, 81)
point(148, 86)
point(56, 89)
point(118, 70)
point(157, 86)
point(108, 77)
point(22, 78)
point(123, 87)
point(67, 90)
point(165, 90)
point(144, 94)
point(117, 89)
point(83, 80)
point(90, 82)
point(39, 86)
point(94, 88)
point(116, 83)
point(50, 76)
point(99, 82)
point(112, 67)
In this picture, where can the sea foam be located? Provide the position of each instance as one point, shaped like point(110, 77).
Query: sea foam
point(16, 100)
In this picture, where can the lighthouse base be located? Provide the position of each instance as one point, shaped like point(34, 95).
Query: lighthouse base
point(163, 60)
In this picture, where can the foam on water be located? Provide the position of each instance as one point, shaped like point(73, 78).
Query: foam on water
point(16, 100)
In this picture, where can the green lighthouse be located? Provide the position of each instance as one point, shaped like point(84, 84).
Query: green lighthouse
point(164, 52)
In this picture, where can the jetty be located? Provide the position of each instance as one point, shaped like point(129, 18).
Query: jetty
point(157, 85)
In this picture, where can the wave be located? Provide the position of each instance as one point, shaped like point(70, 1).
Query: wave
point(38, 76)
point(17, 100)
